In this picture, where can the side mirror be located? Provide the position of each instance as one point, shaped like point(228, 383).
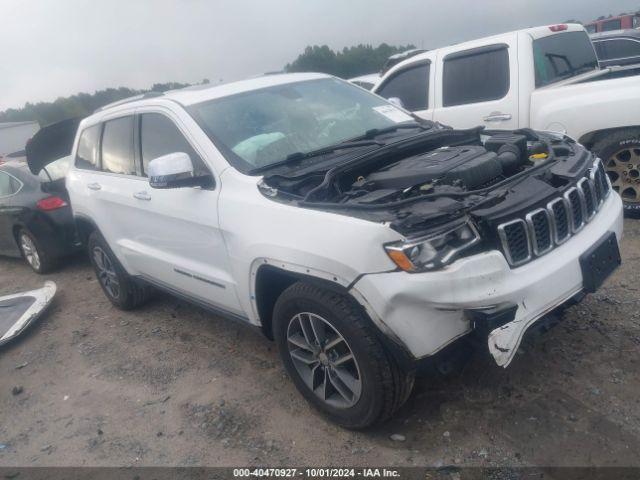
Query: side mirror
point(395, 101)
point(175, 170)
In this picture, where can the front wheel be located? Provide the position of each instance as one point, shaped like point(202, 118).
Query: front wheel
point(620, 154)
point(334, 358)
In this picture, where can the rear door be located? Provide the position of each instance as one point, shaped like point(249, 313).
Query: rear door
point(478, 86)
point(110, 180)
point(174, 235)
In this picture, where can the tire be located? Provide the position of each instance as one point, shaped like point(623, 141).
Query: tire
point(119, 287)
point(383, 387)
point(620, 154)
point(34, 253)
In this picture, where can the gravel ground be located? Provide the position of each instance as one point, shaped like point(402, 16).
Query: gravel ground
point(170, 384)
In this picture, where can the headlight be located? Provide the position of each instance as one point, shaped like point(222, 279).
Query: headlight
point(433, 251)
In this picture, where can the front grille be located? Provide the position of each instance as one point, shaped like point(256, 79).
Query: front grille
point(539, 225)
point(601, 183)
point(575, 208)
point(587, 189)
point(544, 228)
point(515, 239)
point(559, 211)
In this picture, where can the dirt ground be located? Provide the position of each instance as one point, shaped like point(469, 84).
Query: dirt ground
point(171, 385)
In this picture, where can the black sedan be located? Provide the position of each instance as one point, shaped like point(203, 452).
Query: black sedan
point(35, 218)
point(618, 47)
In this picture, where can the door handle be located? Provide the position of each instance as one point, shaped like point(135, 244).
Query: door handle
point(497, 117)
point(94, 186)
point(142, 196)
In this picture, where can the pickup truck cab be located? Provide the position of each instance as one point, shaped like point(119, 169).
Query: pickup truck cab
point(363, 240)
point(544, 78)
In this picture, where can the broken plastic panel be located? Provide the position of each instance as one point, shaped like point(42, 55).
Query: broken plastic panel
point(20, 310)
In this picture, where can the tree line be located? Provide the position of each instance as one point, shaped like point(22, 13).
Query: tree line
point(345, 63)
point(78, 105)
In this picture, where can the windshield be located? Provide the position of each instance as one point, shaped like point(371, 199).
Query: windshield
point(263, 127)
point(563, 56)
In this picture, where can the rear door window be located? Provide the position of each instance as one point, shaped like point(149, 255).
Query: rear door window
point(561, 56)
point(117, 147)
point(87, 157)
point(411, 85)
point(617, 49)
point(160, 136)
point(7, 185)
point(478, 75)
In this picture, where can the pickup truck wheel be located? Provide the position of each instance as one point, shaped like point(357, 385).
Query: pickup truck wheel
point(117, 285)
point(335, 359)
point(620, 154)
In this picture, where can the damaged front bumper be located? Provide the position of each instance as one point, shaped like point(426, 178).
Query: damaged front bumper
point(425, 312)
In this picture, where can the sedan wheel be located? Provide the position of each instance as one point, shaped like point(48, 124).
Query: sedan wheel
point(30, 251)
point(106, 272)
point(324, 360)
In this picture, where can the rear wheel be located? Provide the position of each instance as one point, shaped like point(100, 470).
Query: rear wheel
point(119, 287)
point(335, 359)
point(620, 154)
point(34, 254)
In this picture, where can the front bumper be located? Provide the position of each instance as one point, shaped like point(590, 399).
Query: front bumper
point(425, 312)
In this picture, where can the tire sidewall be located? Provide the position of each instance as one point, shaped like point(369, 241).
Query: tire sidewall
point(632, 139)
point(96, 240)
point(369, 404)
point(42, 255)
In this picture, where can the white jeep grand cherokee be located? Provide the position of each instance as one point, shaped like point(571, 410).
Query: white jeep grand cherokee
point(361, 239)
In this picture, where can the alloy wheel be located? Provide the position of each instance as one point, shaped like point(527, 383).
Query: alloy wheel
point(106, 272)
point(30, 251)
point(324, 360)
point(623, 169)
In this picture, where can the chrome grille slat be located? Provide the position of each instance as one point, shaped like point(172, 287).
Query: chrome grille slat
point(539, 227)
point(560, 221)
point(544, 228)
point(576, 208)
point(515, 241)
point(585, 188)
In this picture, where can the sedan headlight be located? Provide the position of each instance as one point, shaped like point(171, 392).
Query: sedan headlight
point(435, 250)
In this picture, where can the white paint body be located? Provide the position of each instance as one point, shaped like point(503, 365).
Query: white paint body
point(569, 107)
point(223, 235)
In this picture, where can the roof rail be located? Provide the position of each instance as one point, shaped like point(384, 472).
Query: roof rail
point(129, 100)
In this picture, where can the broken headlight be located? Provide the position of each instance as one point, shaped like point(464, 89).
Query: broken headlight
point(435, 250)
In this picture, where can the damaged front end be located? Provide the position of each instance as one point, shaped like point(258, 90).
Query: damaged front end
point(457, 193)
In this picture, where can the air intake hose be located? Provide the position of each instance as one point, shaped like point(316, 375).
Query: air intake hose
point(510, 158)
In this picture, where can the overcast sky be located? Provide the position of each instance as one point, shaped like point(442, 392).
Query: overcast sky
point(53, 48)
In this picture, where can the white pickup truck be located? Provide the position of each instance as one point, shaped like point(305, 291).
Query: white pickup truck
point(544, 78)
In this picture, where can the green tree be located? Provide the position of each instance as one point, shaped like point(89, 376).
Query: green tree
point(350, 62)
point(79, 105)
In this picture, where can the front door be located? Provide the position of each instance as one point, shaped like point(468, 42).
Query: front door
point(177, 241)
point(478, 86)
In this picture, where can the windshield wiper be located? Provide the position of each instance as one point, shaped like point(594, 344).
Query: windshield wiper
point(299, 156)
point(375, 132)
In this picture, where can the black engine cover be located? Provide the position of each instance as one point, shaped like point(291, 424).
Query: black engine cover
point(471, 165)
